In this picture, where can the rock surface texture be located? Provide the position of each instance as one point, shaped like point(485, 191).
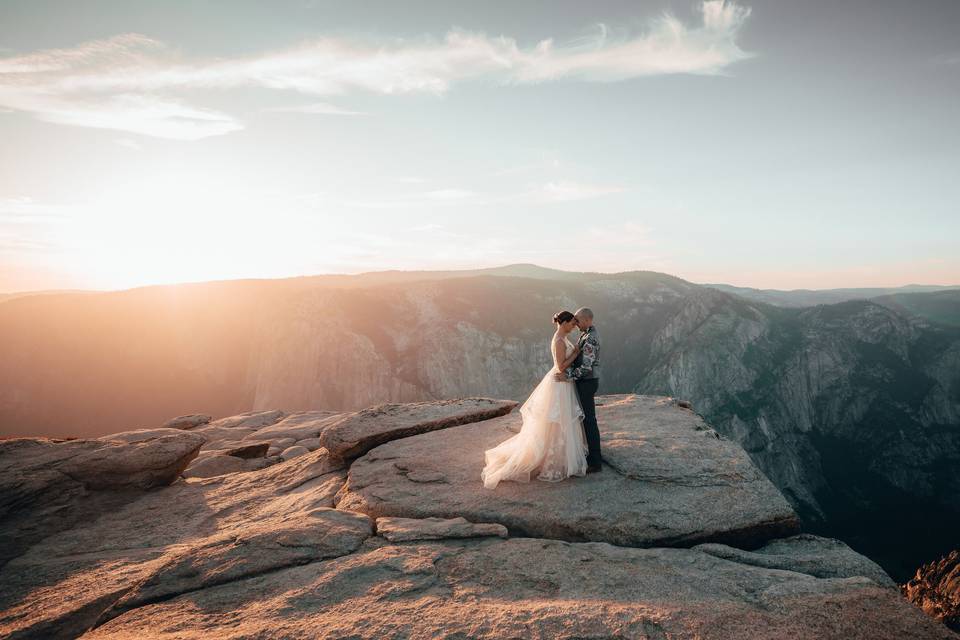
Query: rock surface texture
point(936, 589)
point(679, 537)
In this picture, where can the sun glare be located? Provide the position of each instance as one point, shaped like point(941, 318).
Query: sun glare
point(179, 228)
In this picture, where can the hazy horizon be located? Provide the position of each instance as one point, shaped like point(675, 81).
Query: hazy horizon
point(467, 270)
point(765, 144)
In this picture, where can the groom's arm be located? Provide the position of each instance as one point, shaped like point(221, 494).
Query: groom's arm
point(590, 347)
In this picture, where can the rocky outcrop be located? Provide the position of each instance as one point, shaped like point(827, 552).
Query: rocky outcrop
point(669, 480)
point(936, 589)
point(359, 432)
point(294, 549)
point(850, 409)
point(47, 486)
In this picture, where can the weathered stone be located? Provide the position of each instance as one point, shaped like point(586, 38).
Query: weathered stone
point(296, 426)
point(935, 588)
point(140, 435)
point(46, 486)
point(253, 450)
point(310, 443)
point(670, 482)
point(186, 535)
point(263, 553)
point(530, 588)
point(293, 452)
point(249, 420)
point(405, 529)
point(188, 421)
point(806, 553)
point(216, 465)
point(282, 443)
point(320, 533)
point(357, 433)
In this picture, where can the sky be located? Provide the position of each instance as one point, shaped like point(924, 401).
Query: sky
point(770, 144)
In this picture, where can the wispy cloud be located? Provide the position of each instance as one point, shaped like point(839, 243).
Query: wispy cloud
point(130, 82)
point(319, 108)
point(536, 194)
point(569, 191)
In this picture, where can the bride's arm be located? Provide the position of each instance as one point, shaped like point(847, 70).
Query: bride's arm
point(573, 356)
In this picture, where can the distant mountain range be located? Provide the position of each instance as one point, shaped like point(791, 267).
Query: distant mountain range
point(810, 297)
point(851, 408)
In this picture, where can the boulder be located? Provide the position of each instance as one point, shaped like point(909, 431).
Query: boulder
point(282, 443)
point(293, 452)
point(669, 481)
point(405, 529)
point(529, 588)
point(252, 450)
point(215, 465)
point(188, 421)
point(357, 433)
point(310, 443)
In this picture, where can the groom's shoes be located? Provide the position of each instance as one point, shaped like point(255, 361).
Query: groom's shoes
point(593, 468)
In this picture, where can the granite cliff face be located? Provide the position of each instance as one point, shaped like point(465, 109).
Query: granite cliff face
point(853, 410)
point(391, 534)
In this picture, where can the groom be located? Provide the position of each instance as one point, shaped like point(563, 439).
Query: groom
point(585, 370)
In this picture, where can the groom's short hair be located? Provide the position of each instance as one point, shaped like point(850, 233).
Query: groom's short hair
point(584, 311)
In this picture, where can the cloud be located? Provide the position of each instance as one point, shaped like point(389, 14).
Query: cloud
point(322, 108)
point(129, 82)
point(569, 191)
point(539, 194)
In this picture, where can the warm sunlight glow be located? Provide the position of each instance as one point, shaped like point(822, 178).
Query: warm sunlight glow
point(179, 227)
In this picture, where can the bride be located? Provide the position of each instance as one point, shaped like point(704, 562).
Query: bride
point(551, 440)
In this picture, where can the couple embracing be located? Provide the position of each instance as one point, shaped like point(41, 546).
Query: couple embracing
point(559, 437)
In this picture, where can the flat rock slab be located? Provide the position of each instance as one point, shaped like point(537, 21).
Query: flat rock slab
point(405, 529)
point(182, 537)
point(670, 481)
point(359, 432)
point(530, 588)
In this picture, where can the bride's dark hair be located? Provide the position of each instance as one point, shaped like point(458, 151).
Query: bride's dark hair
point(562, 316)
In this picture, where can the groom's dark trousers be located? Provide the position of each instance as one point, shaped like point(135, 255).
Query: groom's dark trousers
point(586, 389)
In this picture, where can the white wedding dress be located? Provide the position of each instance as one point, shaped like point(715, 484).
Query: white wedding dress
point(551, 441)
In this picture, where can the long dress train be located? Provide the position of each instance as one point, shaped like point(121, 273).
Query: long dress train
point(551, 441)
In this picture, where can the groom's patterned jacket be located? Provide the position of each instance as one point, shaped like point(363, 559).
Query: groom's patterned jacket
point(589, 358)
